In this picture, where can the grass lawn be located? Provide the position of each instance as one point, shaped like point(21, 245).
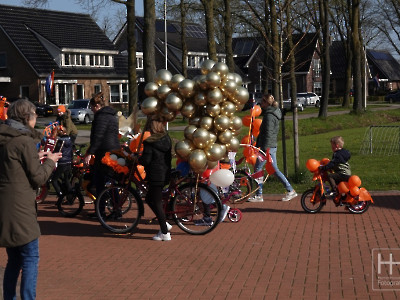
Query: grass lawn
point(377, 172)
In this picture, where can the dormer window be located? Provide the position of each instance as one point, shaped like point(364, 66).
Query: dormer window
point(195, 61)
point(87, 60)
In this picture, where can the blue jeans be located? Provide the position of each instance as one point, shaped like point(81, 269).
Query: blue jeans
point(260, 165)
point(25, 258)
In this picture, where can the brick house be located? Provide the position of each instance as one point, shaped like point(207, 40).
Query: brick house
point(34, 42)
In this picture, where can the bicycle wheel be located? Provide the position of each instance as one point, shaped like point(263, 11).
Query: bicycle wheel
point(311, 207)
point(360, 207)
point(241, 187)
point(196, 211)
point(118, 209)
point(71, 205)
point(41, 193)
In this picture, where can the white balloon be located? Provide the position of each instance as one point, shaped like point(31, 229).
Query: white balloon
point(222, 178)
point(113, 157)
point(121, 161)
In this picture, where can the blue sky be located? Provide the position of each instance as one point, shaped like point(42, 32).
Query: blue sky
point(69, 6)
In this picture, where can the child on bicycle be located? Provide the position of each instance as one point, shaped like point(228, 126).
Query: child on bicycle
point(339, 163)
point(64, 166)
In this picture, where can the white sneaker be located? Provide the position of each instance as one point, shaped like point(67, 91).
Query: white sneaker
point(289, 196)
point(224, 212)
point(162, 237)
point(257, 198)
point(169, 226)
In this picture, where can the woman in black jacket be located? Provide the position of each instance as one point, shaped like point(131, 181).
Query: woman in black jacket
point(103, 138)
point(156, 159)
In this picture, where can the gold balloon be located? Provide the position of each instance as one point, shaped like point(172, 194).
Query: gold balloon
point(228, 87)
point(183, 148)
point(228, 108)
point(186, 88)
point(175, 80)
point(213, 110)
point(213, 80)
point(200, 137)
point(206, 122)
point(238, 79)
point(188, 109)
point(212, 139)
point(149, 106)
point(215, 152)
point(233, 145)
point(221, 69)
point(239, 106)
point(163, 91)
point(235, 123)
point(230, 76)
point(242, 95)
point(201, 82)
point(194, 121)
point(188, 132)
point(223, 148)
point(214, 96)
point(167, 115)
point(162, 77)
point(221, 122)
point(225, 136)
point(173, 102)
point(211, 164)
point(150, 89)
point(197, 160)
point(200, 99)
point(206, 66)
point(235, 132)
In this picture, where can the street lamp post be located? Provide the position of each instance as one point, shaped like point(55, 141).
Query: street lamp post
point(260, 68)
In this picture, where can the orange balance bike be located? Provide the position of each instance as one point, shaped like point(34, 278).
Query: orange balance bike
point(349, 194)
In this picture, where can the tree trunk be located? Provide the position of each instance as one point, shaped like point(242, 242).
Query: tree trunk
point(326, 61)
point(183, 38)
point(209, 14)
point(149, 32)
point(228, 36)
point(357, 105)
point(133, 88)
point(347, 77)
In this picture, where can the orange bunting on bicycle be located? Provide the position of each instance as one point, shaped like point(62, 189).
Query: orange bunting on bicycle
point(117, 164)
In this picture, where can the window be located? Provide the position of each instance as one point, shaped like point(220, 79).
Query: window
point(66, 59)
point(317, 67)
point(139, 62)
point(65, 93)
point(80, 91)
point(191, 61)
point(24, 91)
point(114, 90)
point(318, 88)
point(124, 92)
point(3, 60)
point(97, 88)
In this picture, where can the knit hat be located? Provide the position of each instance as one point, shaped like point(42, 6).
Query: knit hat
point(61, 108)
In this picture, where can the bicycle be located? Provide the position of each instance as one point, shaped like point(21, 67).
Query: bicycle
point(348, 194)
point(185, 200)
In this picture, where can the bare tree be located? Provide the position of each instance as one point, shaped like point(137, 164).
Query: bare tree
point(149, 32)
point(356, 45)
point(209, 15)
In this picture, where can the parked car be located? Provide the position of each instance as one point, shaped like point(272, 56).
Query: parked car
point(80, 111)
point(393, 96)
point(44, 110)
point(287, 105)
point(308, 99)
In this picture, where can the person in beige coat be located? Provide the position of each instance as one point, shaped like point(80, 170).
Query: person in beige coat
point(20, 174)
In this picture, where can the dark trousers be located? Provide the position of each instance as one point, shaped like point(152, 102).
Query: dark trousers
point(154, 201)
point(336, 178)
point(62, 172)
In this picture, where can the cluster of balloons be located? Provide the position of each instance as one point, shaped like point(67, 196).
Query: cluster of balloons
point(209, 102)
point(251, 121)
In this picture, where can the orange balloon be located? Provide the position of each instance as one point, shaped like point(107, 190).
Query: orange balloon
point(255, 132)
point(248, 151)
point(251, 159)
point(354, 191)
point(257, 123)
point(354, 180)
point(246, 140)
point(134, 144)
point(312, 165)
point(343, 187)
point(246, 120)
point(141, 171)
point(324, 161)
point(256, 111)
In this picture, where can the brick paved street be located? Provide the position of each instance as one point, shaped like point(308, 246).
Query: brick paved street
point(275, 252)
